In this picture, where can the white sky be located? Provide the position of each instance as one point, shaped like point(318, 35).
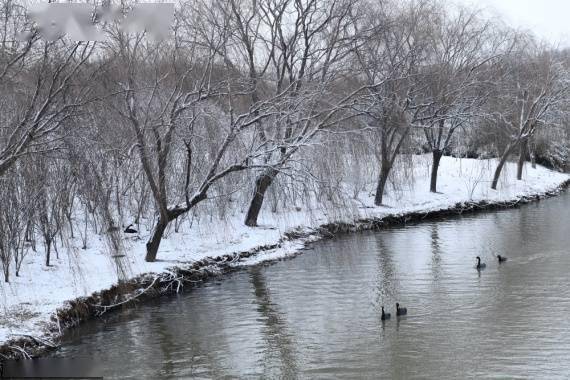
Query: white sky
point(548, 19)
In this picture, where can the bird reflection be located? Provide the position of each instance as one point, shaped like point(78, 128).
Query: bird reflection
point(386, 272)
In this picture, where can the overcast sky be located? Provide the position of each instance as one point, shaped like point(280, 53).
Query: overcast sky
point(549, 19)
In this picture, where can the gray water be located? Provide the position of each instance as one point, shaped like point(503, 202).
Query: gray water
point(318, 315)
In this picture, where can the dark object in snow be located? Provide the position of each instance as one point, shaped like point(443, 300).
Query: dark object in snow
point(501, 258)
point(130, 230)
point(384, 315)
point(400, 310)
point(480, 265)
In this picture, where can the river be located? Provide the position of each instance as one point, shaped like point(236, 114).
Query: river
point(318, 315)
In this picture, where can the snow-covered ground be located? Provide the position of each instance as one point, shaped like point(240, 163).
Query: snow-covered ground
point(27, 302)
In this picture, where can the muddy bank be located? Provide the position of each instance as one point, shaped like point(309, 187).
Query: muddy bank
point(176, 279)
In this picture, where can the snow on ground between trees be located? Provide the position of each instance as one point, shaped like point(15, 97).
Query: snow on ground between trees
point(27, 302)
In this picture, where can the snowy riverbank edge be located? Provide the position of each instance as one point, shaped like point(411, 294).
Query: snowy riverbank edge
point(185, 276)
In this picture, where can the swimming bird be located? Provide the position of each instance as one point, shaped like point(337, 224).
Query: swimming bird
point(501, 258)
point(130, 230)
point(401, 310)
point(384, 315)
point(480, 265)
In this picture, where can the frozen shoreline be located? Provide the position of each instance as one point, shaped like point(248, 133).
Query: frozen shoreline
point(29, 302)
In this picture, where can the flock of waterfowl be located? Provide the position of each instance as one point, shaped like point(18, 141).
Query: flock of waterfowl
point(399, 312)
point(404, 311)
point(481, 265)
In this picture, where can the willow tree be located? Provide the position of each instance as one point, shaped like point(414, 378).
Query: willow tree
point(43, 79)
point(389, 60)
point(178, 99)
point(534, 84)
point(289, 49)
point(458, 49)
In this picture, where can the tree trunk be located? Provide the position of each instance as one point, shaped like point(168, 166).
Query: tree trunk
point(435, 166)
point(533, 153)
point(70, 226)
point(382, 180)
point(523, 146)
point(262, 183)
point(499, 168)
point(48, 252)
point(154, 242)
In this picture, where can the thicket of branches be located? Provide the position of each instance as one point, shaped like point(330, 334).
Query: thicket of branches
point(251, 104)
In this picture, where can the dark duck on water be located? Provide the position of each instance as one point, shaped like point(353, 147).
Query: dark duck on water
point(480, 265)
point(400, 310)
point(384, 316)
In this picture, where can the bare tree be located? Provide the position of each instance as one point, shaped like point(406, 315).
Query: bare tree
point(171, 101)
point(43, 99)
point(292, 48)
point(13, 218)
point(390, 61)
point(532, 86)
point(49, 185)
point(454, 76)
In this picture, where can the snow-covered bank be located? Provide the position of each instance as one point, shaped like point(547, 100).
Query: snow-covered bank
point(28, 302)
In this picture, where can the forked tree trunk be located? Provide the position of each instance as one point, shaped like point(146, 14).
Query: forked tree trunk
point(262, 183)
point(502, 162)
point(437, 154)
point(382, 180)
point(154, 242)
point(164, 220)
point(523, 147)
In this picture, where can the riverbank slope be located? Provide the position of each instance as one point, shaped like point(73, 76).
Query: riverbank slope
point(35, 307)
